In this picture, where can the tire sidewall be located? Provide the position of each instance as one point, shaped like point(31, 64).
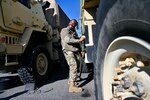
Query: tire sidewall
point(108, 13)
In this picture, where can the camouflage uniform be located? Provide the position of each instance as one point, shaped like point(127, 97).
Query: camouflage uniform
point(71, 47)
point(73, 62)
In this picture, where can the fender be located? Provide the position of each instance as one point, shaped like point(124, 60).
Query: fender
point(24, 39)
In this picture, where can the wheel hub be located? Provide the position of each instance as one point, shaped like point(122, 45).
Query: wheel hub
point(130, 82)
point(42, 64)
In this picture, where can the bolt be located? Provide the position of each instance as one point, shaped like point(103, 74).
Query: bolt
point(116, 78)
point(118, 70)
point(115, 83)
point(140, 64)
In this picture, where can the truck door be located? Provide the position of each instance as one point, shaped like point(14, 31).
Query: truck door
point(16, 14)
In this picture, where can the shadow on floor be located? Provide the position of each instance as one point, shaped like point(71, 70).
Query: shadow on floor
point(13, 95)
point(59, 72)
point(86, 80)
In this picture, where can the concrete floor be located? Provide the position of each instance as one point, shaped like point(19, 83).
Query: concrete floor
point(56, 89)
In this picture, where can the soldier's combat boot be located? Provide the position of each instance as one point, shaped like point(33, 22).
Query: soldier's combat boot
point(75, 83)
point(74, 88)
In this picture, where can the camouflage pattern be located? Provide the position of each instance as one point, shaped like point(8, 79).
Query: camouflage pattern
point(73, 62)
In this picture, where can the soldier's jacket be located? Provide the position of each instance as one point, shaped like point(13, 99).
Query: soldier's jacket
point(69, 40)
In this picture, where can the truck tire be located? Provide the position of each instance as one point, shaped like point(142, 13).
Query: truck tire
point(35, 65)
point(115, 19)
point(40, 62)
point(25, 75)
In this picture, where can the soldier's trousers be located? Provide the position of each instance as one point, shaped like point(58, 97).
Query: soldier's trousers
point(73, 62)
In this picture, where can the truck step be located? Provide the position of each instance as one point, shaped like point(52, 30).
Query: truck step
point(11, 63)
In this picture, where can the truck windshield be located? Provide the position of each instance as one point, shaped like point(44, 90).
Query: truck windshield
point(25, 3)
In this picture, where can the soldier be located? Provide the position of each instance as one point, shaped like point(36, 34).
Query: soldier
point(71, 49)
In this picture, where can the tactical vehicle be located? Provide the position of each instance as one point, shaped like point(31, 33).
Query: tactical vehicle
point(29, 37)
point(118, 44)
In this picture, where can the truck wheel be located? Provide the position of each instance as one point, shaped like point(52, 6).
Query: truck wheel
point(40, 63)
point(124, 73)
point(113, 49)
point(25, 75)
point(34, 65)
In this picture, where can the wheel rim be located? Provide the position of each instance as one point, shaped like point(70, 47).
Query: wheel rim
point(41, 64)
point(112, 59)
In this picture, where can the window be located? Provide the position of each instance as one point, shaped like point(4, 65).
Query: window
point(25, 3)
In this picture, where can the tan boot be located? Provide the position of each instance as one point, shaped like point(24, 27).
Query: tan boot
point(75, 83)
point(73, 88)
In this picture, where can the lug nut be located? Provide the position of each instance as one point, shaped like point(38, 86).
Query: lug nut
point(116, 78)
point(118, 70)
point(140, 64)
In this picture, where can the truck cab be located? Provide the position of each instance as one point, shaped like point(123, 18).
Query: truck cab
point(29, 34)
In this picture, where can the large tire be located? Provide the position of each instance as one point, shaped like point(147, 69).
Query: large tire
point(35, 65)
point(25, 75)
point(116, 18)
point(40, 62)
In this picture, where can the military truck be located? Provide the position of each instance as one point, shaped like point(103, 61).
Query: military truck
point(29, 37)
point(118, 44)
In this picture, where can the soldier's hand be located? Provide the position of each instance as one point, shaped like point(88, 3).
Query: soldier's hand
point(82, 38)
point(82, 54)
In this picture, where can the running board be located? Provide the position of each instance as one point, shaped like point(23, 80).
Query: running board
point(11, 63)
